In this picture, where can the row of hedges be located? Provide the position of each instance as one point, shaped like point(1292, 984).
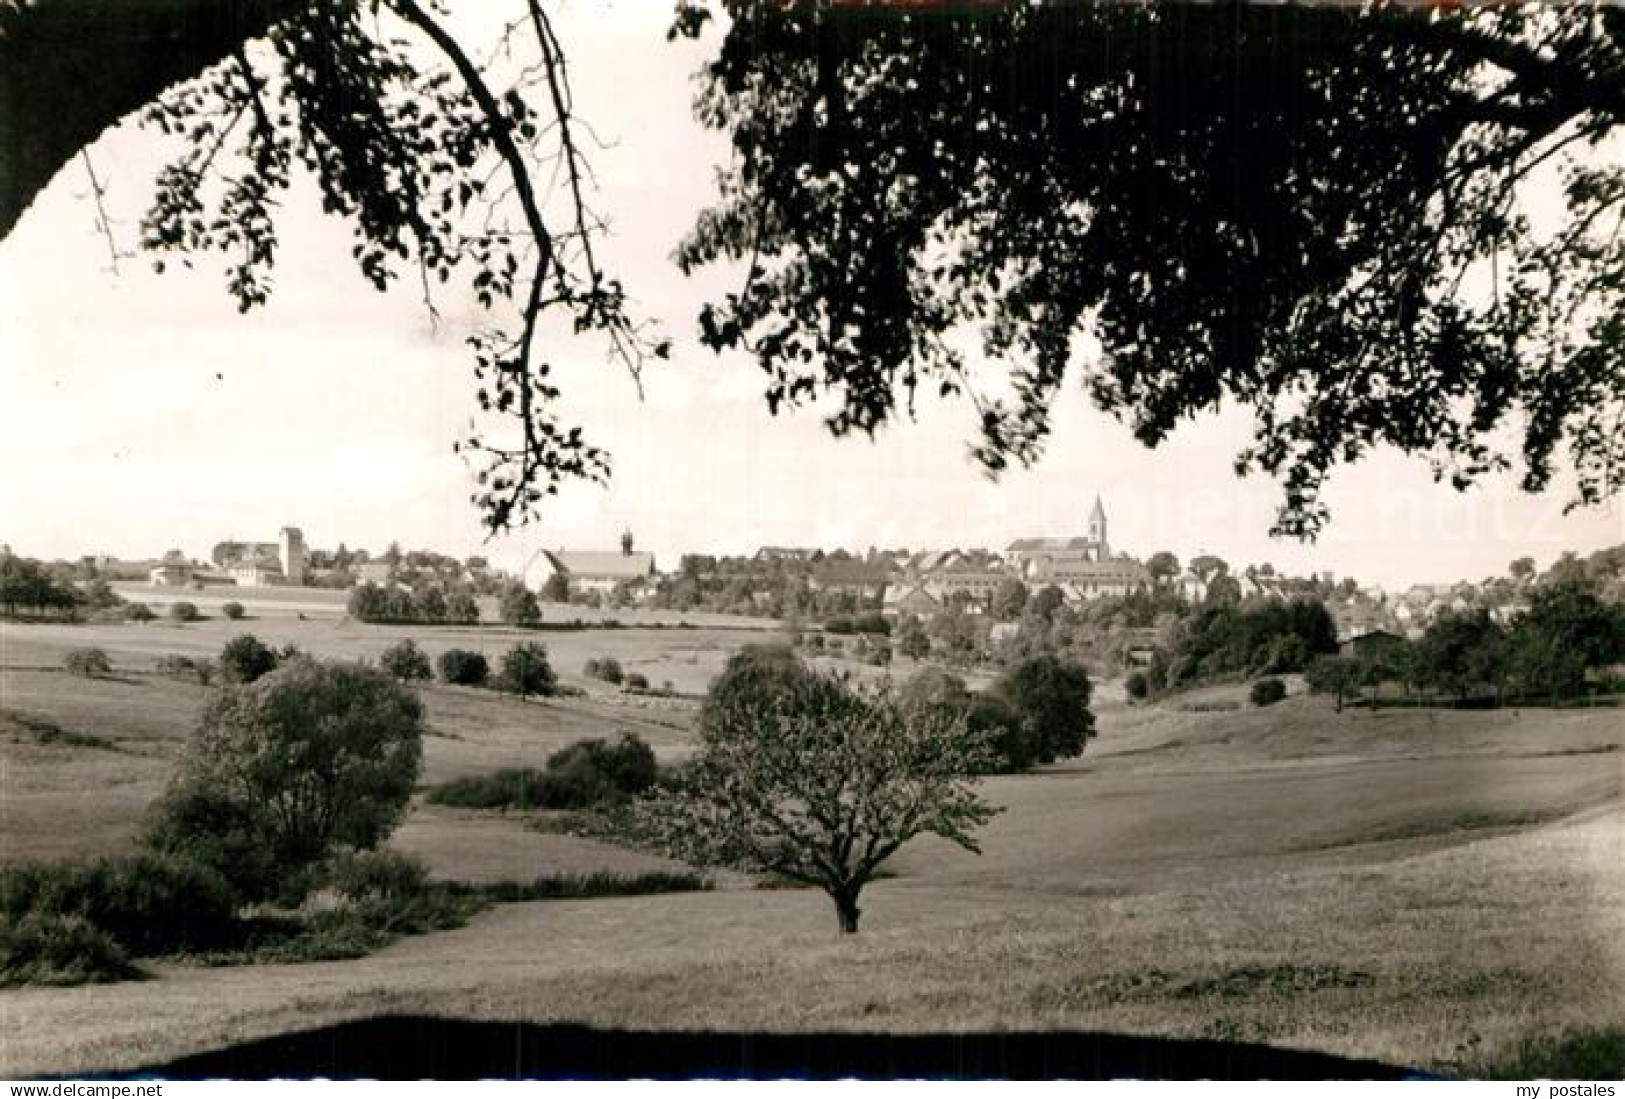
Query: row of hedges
point(524, 670)
point(585, 775)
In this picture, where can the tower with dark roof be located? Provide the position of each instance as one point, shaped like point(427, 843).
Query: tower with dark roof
point(1097, 531)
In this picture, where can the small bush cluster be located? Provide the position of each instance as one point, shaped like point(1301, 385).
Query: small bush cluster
point(47, 731)
point(89, 663)
point(109, 911)
point(637, 681)
point(406, 662)
point(585, 775)
point(463, 668)
point(175, 666)
point(233, 610)
point(1267, 692)
point(139, 612)
point(1137, 686)
point(184, 612)
point(606, 668)
point(598, 883)
point(526, 671)
point(57, 949)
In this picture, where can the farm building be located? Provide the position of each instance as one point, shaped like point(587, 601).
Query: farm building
point(591, 570)
point(912, 599)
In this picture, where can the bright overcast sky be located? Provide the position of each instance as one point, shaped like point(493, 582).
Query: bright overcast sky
point(143, 413)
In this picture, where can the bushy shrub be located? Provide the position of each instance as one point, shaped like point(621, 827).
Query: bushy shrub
point(510, 788)
point(90, 663)
point(206, 826)
point(184, 612)
point(1267, 691)
point(587, 774)
point(232, 610)
point(637, 681)
point(606, 668)
point(592, 771)
point(139, 612)
point(54, 948)
point(383, 895)
point(518, 606)
point(526, 671)
point(147, 904)
point(246, 777)
point(156, 904)
point(245, 658)
point(464, 668)
point(405, 661)
point(1137, 686)
point(368, 874)
point(176, 666)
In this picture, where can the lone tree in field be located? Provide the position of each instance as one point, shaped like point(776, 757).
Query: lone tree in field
point(245, 658)
point(405, 661)
point(285, 771)
point(1050, 698)
point(526, 670)
point(820, 783)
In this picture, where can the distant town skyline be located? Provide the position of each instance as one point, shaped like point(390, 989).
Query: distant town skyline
point(146, 414)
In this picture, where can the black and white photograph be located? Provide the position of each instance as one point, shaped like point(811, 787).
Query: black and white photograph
point(812, 540)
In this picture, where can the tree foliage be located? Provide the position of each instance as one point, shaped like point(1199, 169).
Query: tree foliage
point(283, 772)
point(815, 781)
point(245, 658)
point(27, 585)
point(1324, 214)
point(1272, 637)
point(519, 606)
point(526, 671)
point(434, 151)
point(1050, 700)
point(463, 667)
point(406, 662)
point(1082, 186)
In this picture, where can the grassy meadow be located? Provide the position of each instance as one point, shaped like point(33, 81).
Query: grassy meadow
point(1427, 887)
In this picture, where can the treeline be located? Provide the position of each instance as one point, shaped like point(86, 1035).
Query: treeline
point(32, 588)
point(1100, 634)
point(429, 604)
point(1548, 654)
point(1226, 642)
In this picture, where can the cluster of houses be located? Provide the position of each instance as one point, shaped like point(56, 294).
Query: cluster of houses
point(1407, 613)
point(245, 564)
point(921, 583)
point(897, 583)
point(1082, 568)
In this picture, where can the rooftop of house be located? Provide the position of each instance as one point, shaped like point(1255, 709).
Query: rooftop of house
point(850, 572)
point(1032, 545)
point(602, 564)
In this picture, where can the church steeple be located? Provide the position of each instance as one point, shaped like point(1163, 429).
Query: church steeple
point(1097, 530)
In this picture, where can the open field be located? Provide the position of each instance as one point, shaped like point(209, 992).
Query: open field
point(330, 603)
point(688, 657)
point(1413, 886)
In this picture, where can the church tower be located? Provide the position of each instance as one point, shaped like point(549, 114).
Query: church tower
point(1097, 531)
point(292, 552)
